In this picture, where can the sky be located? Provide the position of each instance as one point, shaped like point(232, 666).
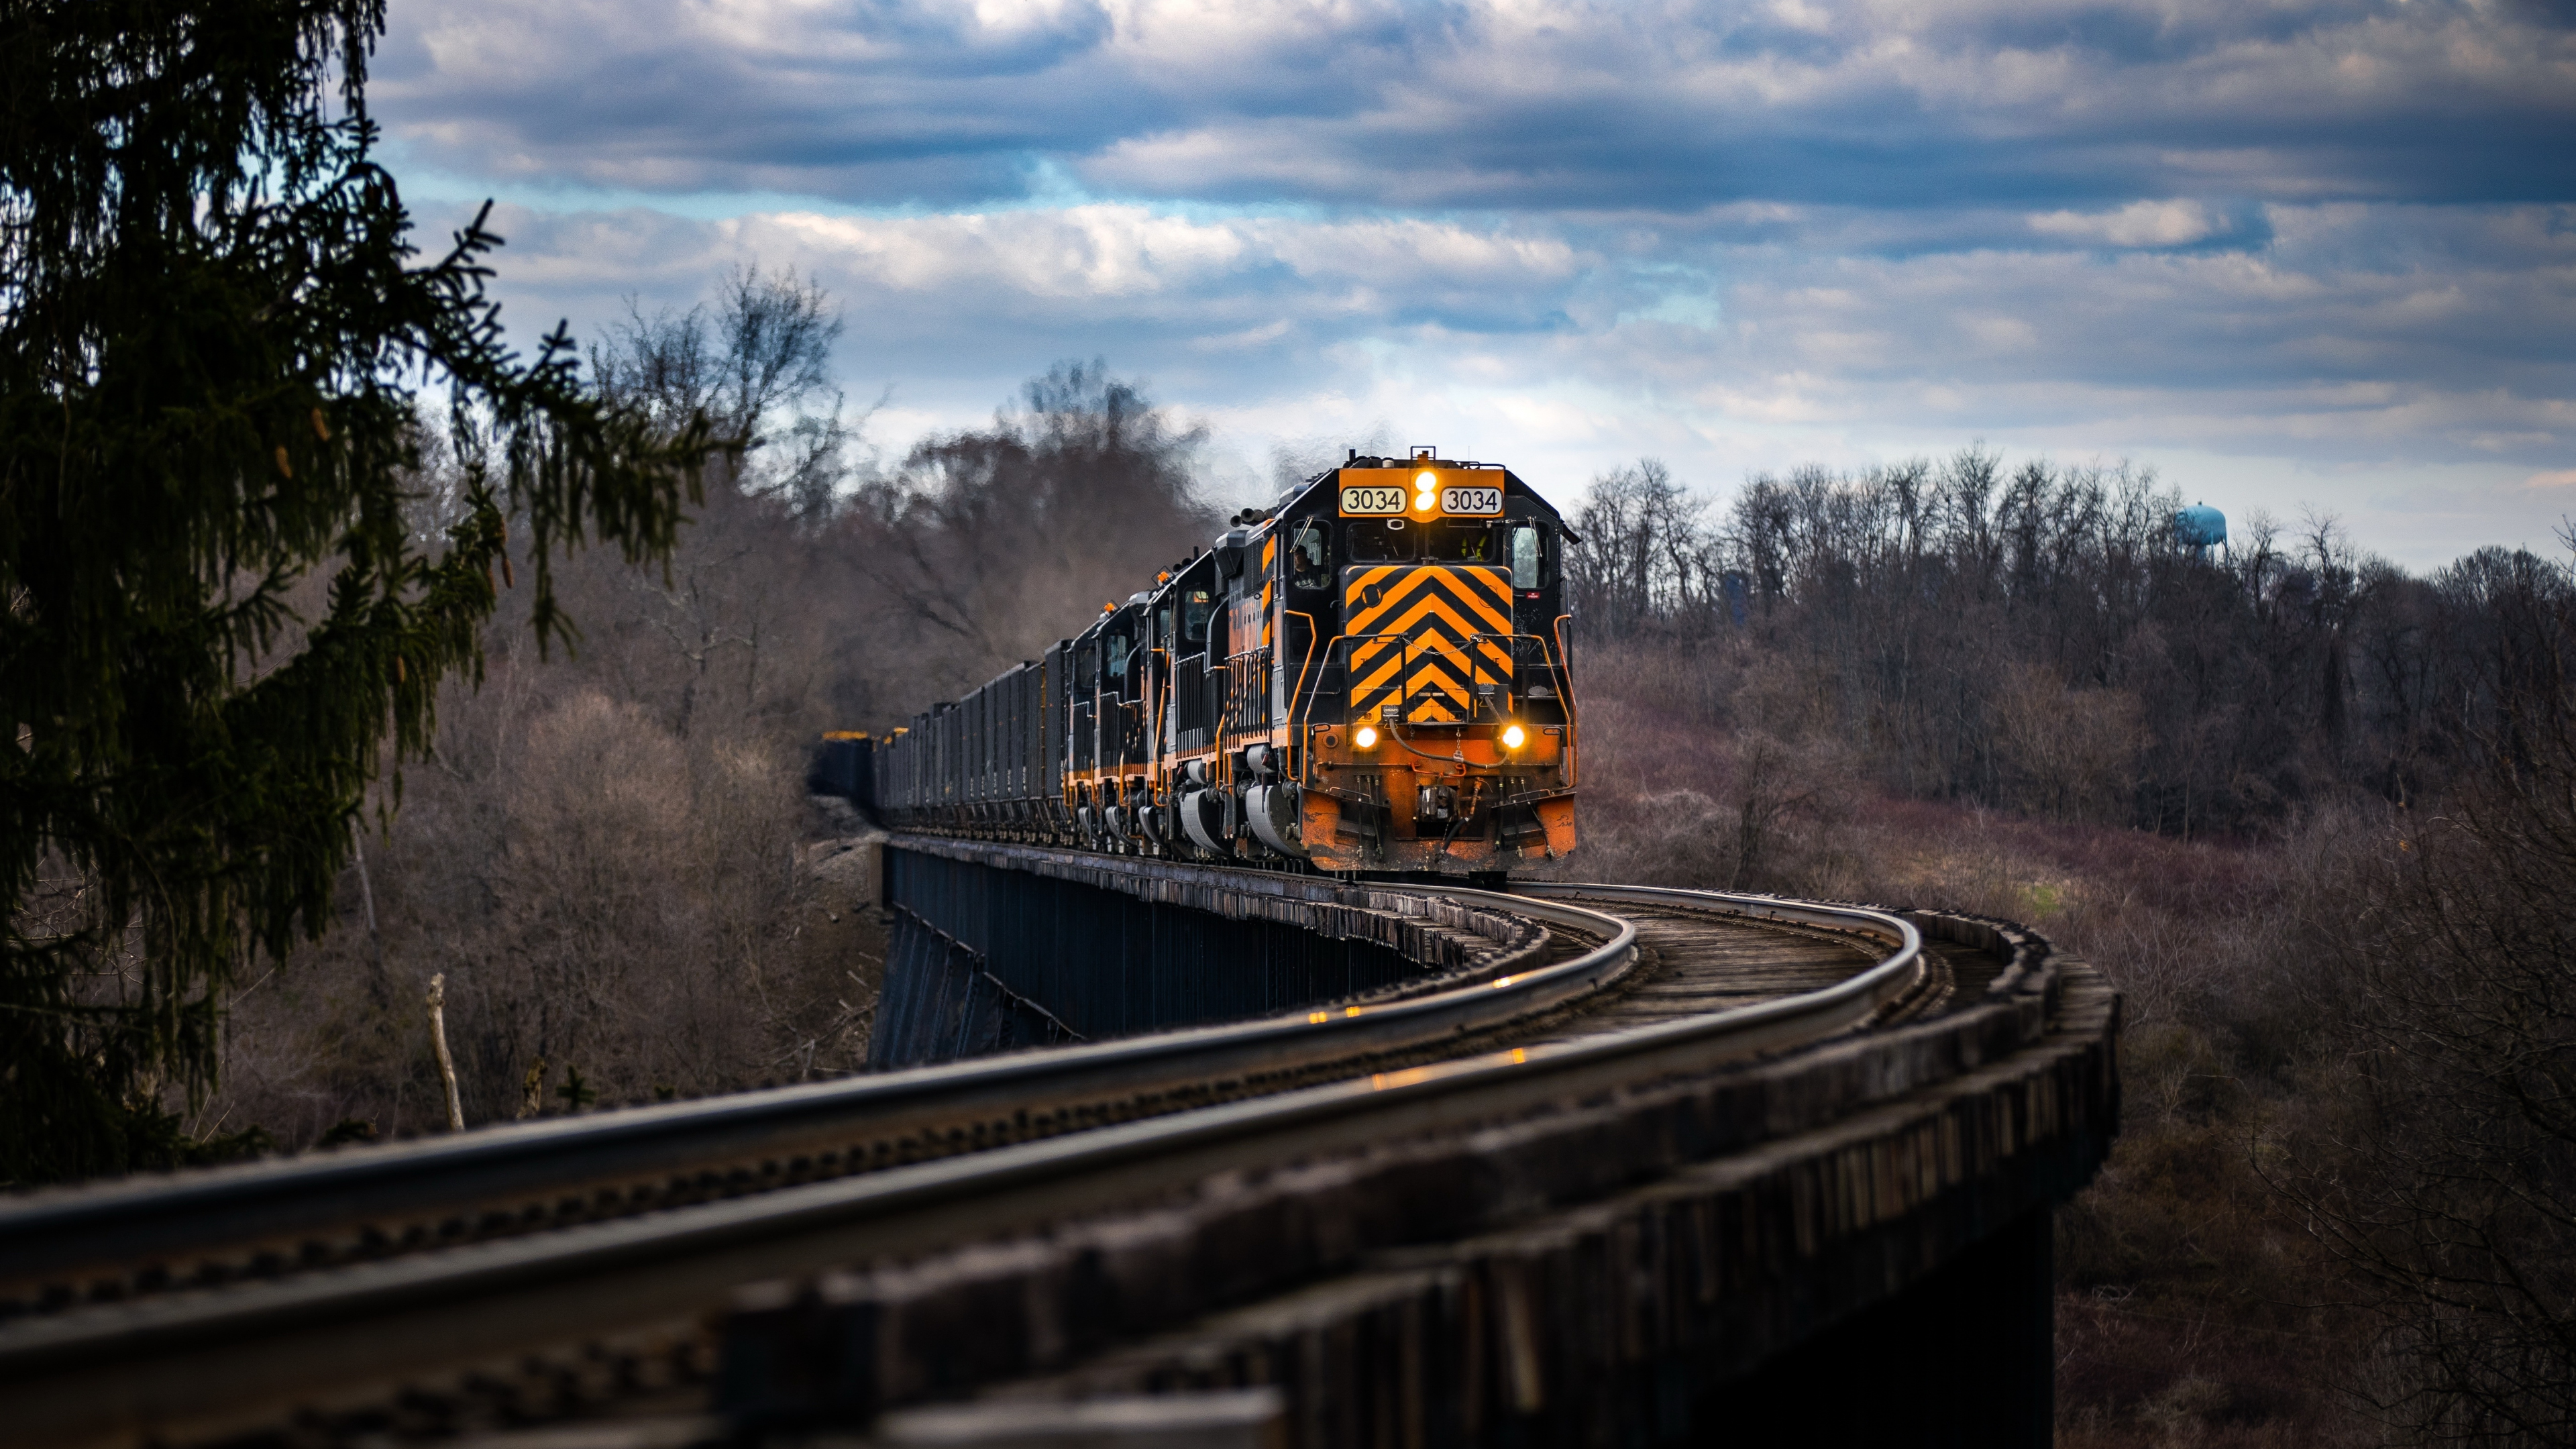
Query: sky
point(2297, 258)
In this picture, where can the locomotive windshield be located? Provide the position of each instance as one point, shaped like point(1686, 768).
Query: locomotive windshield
point(1118, 647)
point(1525, 557)
point(1463, 543)
point(1380, 541)
point(1196, 605)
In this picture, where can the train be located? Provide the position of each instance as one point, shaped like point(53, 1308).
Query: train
point(1368, 677)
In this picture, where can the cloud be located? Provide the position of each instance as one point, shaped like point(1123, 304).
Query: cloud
point(1667, 106)
point(981, 298)
point(2331, 241)
point(2138, 224)
point(2387, 334)
point(2562, 478)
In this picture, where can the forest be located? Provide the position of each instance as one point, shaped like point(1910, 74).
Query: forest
point(2311, 812)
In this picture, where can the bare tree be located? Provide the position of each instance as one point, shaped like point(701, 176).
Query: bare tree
point(2445, 1178)
point(987, 545)
point(760, 368)
point(1643, 563)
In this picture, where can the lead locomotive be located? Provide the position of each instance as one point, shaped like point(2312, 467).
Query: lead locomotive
point(1368, 676)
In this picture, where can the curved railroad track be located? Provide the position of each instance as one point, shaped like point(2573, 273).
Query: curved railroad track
point(207, 1304)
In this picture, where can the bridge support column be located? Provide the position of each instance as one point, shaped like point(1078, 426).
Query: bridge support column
point(992, 947)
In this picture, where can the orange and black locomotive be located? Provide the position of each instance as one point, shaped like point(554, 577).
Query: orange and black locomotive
point(1370, 675)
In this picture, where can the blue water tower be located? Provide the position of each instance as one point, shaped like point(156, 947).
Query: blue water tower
point(2200, 527)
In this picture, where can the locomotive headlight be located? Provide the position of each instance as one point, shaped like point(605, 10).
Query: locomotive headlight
point(1365, 737)
point(1512, 737)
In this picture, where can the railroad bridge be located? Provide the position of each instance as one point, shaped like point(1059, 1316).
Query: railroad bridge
point(1162, 1154)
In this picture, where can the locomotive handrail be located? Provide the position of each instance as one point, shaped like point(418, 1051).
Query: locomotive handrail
point(1565, 683)
point(1233, 702)
point(204, 1356)
point(1298, 696)
point(1158, 713)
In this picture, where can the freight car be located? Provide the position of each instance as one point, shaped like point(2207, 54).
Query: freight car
point(1368, 676)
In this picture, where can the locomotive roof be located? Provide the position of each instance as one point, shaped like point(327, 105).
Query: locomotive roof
point(1107, 617)
point(1297, 498)
point(1179, 576)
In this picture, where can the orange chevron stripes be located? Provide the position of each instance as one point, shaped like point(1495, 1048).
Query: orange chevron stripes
point(1426, 617)
point(1373, 660)
point(1444, 617)
point(1481, 597)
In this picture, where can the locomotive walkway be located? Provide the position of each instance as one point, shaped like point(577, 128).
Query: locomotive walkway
point(1575, 1164)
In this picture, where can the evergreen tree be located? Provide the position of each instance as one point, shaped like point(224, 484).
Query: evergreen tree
point(217, 350)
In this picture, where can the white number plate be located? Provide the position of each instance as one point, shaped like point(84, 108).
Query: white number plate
point(1471, 501)
point(1367, 501)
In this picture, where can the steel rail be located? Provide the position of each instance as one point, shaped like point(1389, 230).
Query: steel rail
point(1769, 908)
point(215, 1362)
point(65, 1235)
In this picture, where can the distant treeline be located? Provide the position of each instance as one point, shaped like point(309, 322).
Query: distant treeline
point(2039, 638)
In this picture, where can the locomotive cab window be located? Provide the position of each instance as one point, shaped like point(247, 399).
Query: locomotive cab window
point(1380, 540)
point(1086, 669)
point(1463, 543)
point(1529, 551)
point(1196, 605)
point(1310, 556)
point(1163, 627)
point(1118, 660)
